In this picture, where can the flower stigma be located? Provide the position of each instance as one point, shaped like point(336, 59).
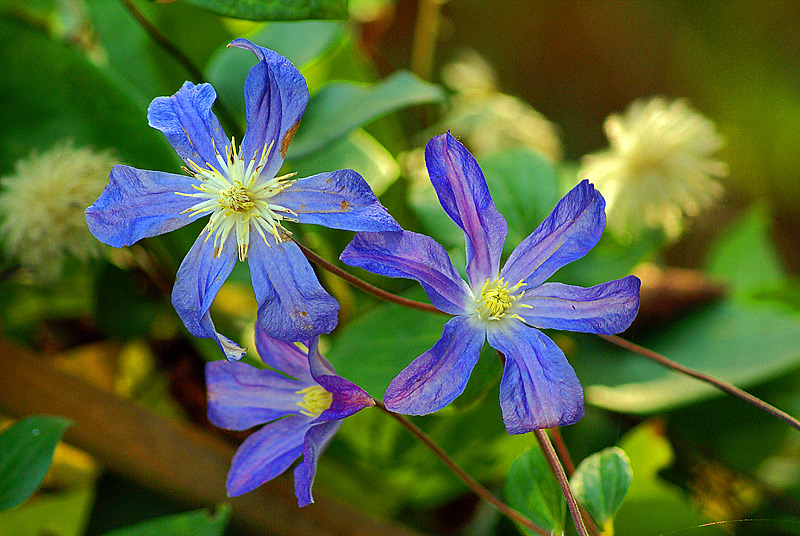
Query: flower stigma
point(496, 299)
point(315, 400)
point(238, 199)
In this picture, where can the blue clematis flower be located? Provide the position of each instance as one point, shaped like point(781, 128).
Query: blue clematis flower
point(539, 388)
point(302, 411)
point(246, 201)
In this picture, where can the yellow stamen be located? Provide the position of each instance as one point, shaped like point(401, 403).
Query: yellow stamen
point(496, 299)
point(315, 400)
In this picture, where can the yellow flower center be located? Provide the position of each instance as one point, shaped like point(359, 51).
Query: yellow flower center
point(236, 198)
point(315, 400)
point(496, 299)
point(239, 199)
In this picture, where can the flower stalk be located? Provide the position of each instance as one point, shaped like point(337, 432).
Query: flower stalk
point(486, 495)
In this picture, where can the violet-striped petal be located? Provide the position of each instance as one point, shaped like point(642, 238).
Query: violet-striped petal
point(317, 438)
point(286, 357)
point(339, 200)
point(138, 204)
point(567, 234)
point(190, 126)
point(292, 305)
point(199, 278)
point(276, 96)
point(606, 308)
point(266, 454)
point(463, 193)
point(241, 396)
point(539, 388)
point(414, 256)
point(438, 376)
point(347, 397)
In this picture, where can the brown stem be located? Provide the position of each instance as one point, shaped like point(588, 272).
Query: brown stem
point(719, 384)
point(558, 471)
point(563, 452)
point(426, 33)
point(366, 287)
point(164, 42)
point(470, 482)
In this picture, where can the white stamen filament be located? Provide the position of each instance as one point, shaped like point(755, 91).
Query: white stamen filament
point(238, 199)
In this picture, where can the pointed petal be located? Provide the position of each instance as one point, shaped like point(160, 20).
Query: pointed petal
point(199, 278)
point(317, 438)
point(607, 308)
point(567, 234)
point(266, 454)
point(138, 204)
point(463, 193)
point(286, 357)
point(241, 396)
point(438, 376)
point(340, 200)
point(276, 96)
point(414, 256)
point(190, 126)
point(292, 305)
point(539, 389)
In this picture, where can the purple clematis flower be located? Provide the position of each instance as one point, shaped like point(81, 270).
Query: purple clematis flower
point(246, 201)
point(539, 388)
point(302, 411)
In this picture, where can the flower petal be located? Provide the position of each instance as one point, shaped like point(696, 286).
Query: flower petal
point(266, 454)
point(292, 305)
point(138, 204)
point(317, 438)
point(539, 388)
point(276, 96)
point(438, 376)
point(414, 256)
point(199, 278)
point(340, 200)
point(190, 126)
point(286, 357)
point(607, 308)
point(241, 396)
point(463, 193)
point(567, 234)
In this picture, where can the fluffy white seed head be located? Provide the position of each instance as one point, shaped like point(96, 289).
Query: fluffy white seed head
point(659, 169)
point(42, 205)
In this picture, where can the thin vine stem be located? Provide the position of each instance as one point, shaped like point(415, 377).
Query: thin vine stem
point(366, 287)
point(719, 384)
point(555, 465)
point(170, 48)
point(563, 452)
point(486, 495)
point(619, 341)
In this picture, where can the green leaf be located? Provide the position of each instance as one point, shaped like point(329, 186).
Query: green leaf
point(62, 513)
point(524, 186)
point(742, 343)
point(654, 507)
point(276, 9)
point(600, 483)
point(196, 523)
point(26, 452)
point(371, 351)
point(340, 107)
point(81, 103)
point(532, 489)
point(745, 256)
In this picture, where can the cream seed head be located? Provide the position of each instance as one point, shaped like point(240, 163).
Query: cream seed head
point(239, 199)
point(42, 207)
point(315, 400)
point(659, 169)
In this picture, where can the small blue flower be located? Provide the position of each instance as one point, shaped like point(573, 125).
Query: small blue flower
point(539, 388)
point(302, 410)
point(246, 201)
